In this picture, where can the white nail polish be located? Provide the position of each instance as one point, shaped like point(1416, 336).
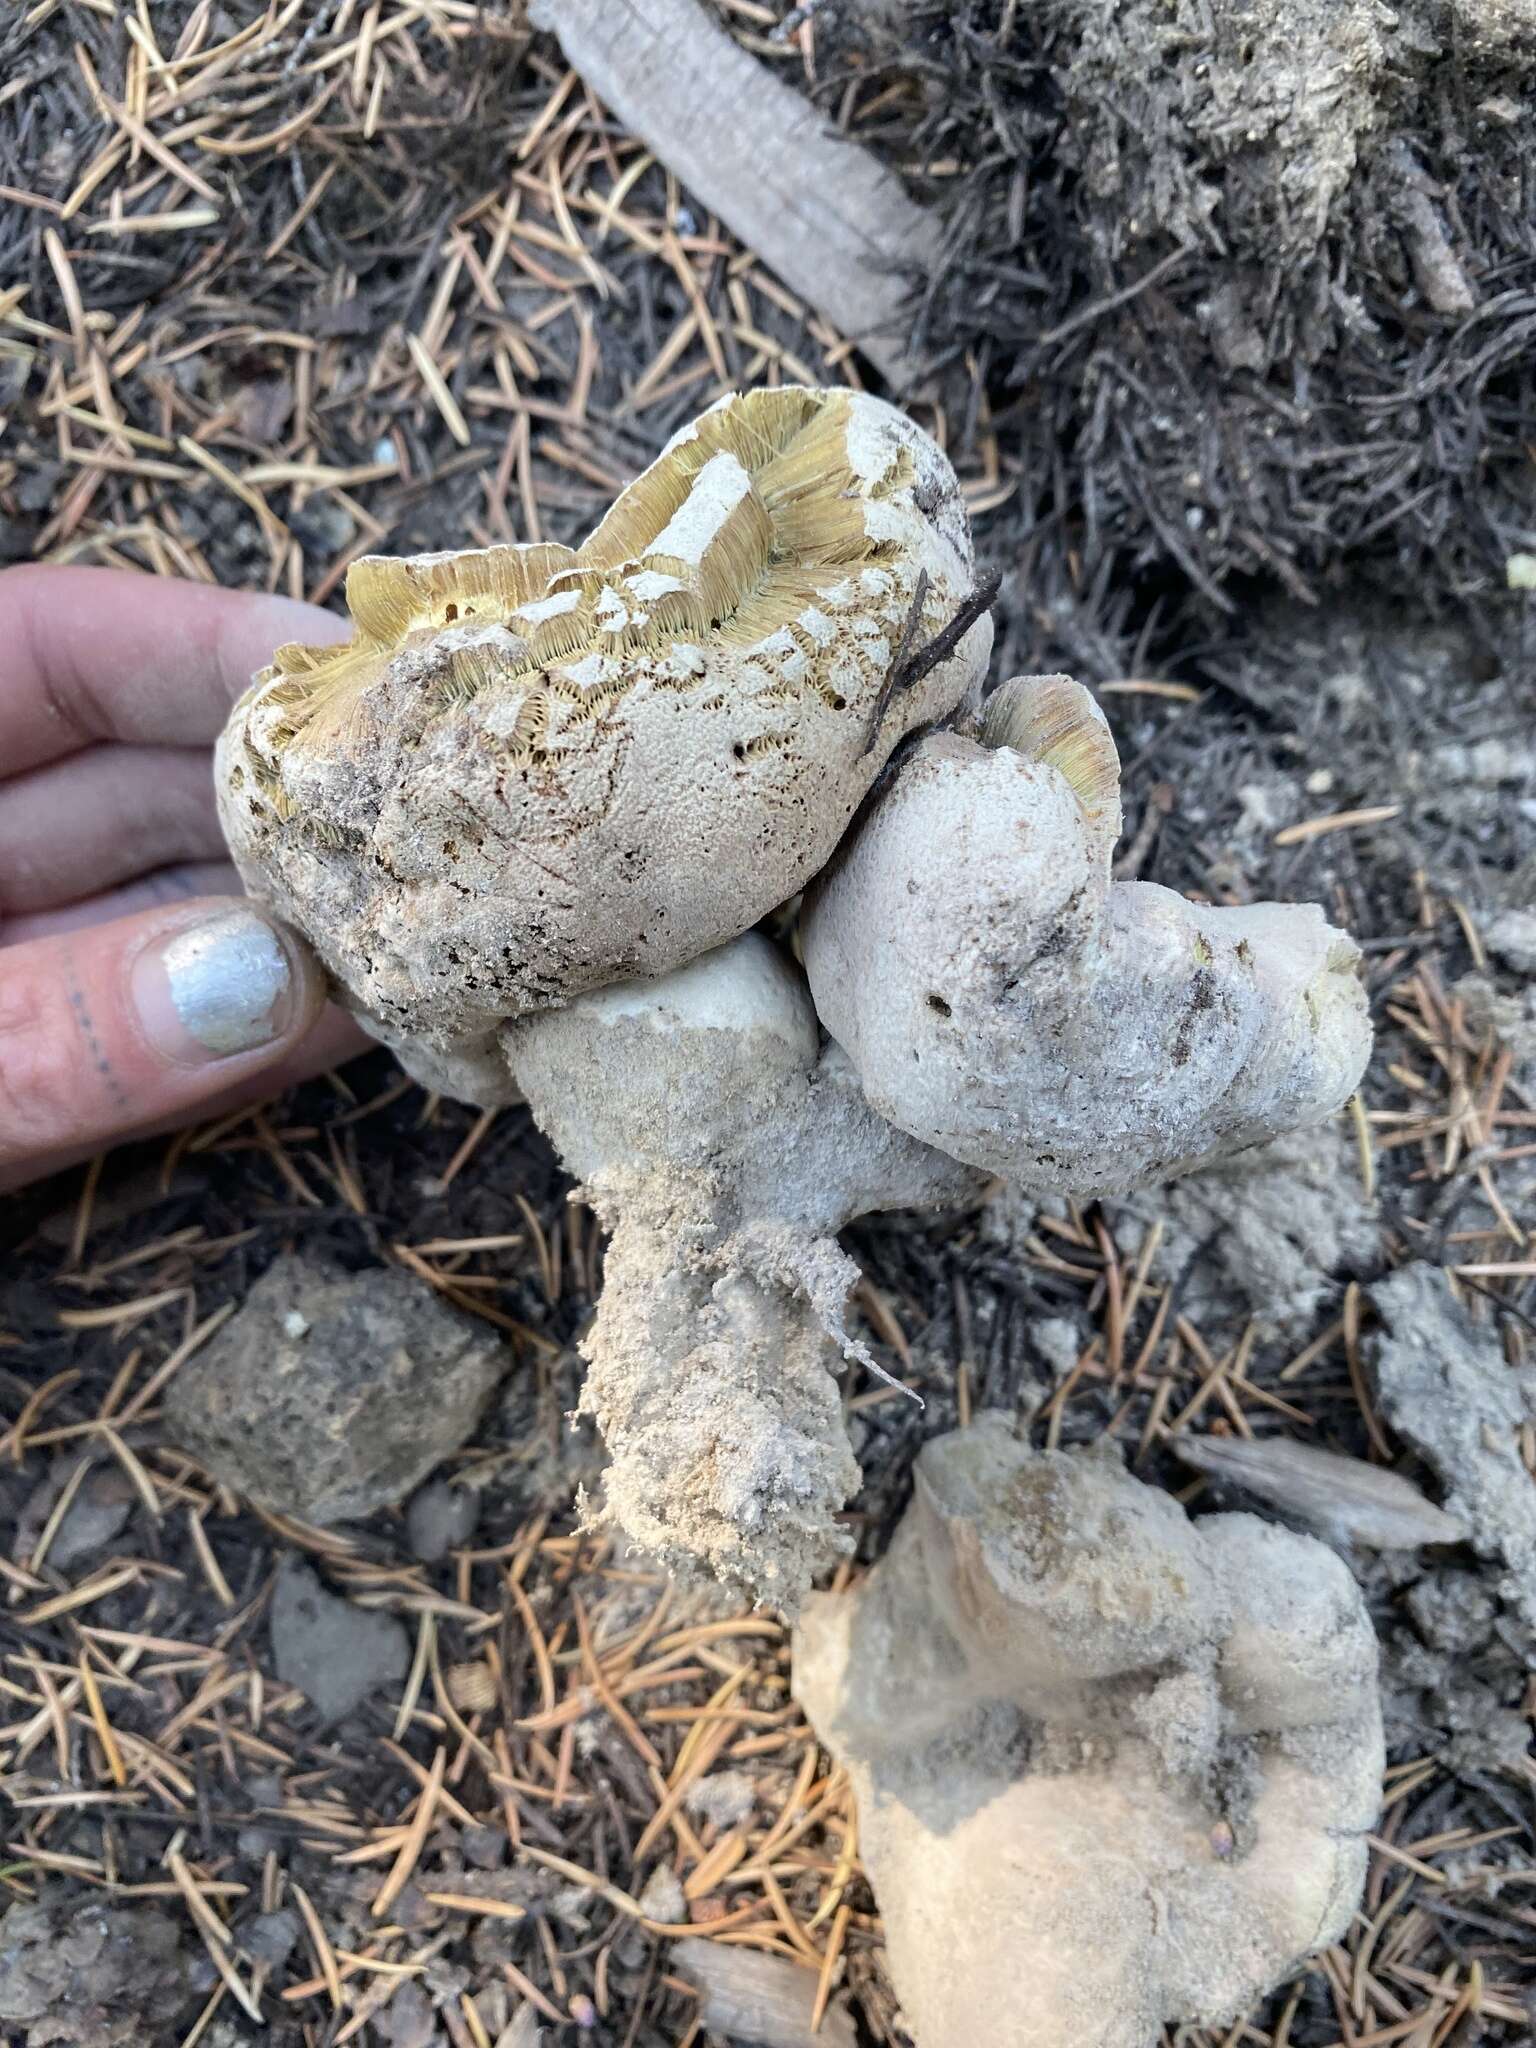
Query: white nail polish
point(227, 980)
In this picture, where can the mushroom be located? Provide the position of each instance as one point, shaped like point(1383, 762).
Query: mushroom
point(724, 1146)
point(531, 813)
point(1002, 998)
point(532, 772)
point(1113, 1768)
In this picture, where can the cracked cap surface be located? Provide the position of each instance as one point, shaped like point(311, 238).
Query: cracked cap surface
point(533, 771)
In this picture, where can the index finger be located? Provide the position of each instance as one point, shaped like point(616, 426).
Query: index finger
point(109, 654)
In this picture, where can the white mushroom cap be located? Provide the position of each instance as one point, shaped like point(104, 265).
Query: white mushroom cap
point(535, 772)
point(1001, 1000)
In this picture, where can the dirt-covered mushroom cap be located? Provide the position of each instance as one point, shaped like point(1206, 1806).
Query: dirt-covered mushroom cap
point(533, 772)
point(1002, 999)
point(1115, 1769)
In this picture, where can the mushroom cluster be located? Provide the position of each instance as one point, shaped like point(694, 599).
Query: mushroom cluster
point(544, 817)
point(533, 772)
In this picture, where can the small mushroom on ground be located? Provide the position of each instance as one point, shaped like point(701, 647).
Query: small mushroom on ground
point(532, 772)
point(1000, 997)
point(725, 1148)
point(1114, 1768)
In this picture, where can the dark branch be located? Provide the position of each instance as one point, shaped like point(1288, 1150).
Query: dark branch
point(908, 668)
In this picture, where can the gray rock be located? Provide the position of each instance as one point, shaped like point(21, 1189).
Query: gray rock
point(100, 1508)
point(330, 1394)
point(440, 1518)
point(410, 2021)
point(484, 1847)
point(662, 1897)
point(1512, 1018)
point(1512, 936)
point(1446, 1387)
point(84, 1971)
point(95, 1515)
point(724, 1797)
point(523, 2031)
point(271, 1938)
point(335, 1653)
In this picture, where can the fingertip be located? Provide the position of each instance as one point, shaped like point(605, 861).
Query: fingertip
point(228, 982)
point(144, 1023)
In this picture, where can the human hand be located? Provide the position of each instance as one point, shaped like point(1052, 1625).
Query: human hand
point(138, 989)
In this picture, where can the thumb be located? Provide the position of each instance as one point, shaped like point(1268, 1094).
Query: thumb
point(121, 1027)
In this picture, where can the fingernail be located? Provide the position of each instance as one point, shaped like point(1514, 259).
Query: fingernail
point(216, 988)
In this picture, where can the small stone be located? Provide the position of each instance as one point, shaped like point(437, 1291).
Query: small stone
point(326, 526)
point(95, 1515)
point(36, 484)
point(335, 1653)
point(272, 1937)
point(1512, 936)
point(484, 1847)
point(411, 2022)
point(662, 1899)
point(85, 1971)
point(1059, 1342)
point(331, 1394)
point(412, 1908)
point(100, 1508)
point(724, 1797)
point(440, 1518)
point(523, 2030)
